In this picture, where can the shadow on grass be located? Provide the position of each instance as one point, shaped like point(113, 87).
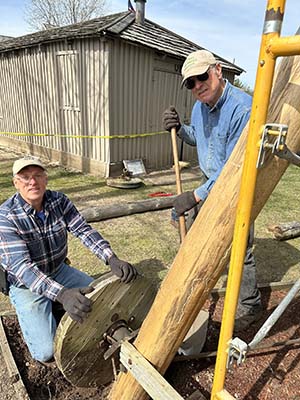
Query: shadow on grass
point(78, 189)
point(151, 269)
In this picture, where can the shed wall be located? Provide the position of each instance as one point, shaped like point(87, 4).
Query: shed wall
point(142, 85)
point(61, 90)
point(92, 87)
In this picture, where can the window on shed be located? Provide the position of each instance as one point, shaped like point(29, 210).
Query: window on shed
point(68, 74)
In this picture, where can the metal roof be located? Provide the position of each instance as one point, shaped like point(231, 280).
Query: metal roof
point(120, 25)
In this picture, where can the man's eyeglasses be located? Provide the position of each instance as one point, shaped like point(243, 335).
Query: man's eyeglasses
point(190, 82)
point(27, 178)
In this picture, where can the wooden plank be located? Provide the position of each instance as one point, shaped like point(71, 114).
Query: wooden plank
point(205, 252)
point(151, 380)
point(14, 377)
point(7, 313)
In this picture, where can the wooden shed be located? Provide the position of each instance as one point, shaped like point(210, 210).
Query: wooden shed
point(67, 94)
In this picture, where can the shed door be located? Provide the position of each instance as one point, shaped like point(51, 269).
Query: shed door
point(69, 92)
point(167, 91)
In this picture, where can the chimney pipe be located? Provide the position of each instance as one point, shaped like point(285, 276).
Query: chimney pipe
point(140, 11)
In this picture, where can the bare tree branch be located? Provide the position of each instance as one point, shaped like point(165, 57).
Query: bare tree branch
point(45, 14)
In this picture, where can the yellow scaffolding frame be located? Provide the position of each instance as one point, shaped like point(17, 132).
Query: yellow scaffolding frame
point(272, 46)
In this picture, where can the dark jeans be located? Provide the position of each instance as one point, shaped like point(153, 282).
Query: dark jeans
point(249, 298)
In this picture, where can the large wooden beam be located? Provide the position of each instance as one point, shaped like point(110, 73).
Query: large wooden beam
point(94, 214)
point(205, 251)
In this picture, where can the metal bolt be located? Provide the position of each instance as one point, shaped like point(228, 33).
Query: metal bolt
point(131, 319)
point(114, 317)
point(129, 361)
point(262, 63)
point(101, 344)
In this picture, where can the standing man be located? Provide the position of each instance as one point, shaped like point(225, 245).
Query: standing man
point(34, 224)
point(218, 118)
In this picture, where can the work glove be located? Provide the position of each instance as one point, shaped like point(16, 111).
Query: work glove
point(122, 269)
point(170, 119)
point(75, 303)
point(184, 202)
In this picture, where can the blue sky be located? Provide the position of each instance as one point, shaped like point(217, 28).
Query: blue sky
point(230, 28)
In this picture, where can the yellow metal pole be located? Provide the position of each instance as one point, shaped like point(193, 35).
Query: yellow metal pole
point(286, 46)
point(264, 78)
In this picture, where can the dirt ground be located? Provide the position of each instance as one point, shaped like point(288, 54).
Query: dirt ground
point(270, 373)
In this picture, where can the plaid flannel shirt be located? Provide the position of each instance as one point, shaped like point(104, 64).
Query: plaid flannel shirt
point(32, 250)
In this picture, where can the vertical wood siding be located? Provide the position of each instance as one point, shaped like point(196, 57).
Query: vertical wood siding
point(142, 85)
point(59, 88)
point(95, 87)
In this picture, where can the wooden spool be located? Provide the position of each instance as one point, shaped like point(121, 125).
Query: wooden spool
point(79, 348)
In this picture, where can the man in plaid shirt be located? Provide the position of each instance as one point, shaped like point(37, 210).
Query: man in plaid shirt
point(33, 248)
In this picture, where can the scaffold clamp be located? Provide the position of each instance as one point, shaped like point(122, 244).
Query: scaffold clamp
point(237, 351)
point(273, 139)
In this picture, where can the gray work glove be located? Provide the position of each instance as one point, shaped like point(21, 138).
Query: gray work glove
point(122, 269)
point(75, 303)
point(170, 119)
point(184, 202)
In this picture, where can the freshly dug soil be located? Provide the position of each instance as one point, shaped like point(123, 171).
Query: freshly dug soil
point(272, 373)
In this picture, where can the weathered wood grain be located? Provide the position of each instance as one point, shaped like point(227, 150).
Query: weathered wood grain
point(13, 375)
point(94, 214)
point(78, 352)
point(285, 231)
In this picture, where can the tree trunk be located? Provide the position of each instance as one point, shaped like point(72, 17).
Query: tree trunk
point(286, 231)
point(93, 214)
point(205, 251)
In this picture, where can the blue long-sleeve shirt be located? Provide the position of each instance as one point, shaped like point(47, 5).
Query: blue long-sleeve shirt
point(215, 131)
point(32, 249)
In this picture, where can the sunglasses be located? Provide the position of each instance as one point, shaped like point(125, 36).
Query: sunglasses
point(190, 82)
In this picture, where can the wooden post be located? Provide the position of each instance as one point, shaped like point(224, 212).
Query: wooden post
point(93, 214)
point(205, 251)
point(182, 227)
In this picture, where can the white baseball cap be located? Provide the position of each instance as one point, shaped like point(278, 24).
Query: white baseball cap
point(25, 162)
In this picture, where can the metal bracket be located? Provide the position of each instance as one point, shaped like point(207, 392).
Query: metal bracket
point(237, 351)
point(273, 138)
point(116, 344)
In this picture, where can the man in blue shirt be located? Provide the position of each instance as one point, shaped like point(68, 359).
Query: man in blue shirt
point(33, 249)
point(219, 115)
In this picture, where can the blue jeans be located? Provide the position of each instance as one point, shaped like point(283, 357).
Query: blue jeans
point(35, 314)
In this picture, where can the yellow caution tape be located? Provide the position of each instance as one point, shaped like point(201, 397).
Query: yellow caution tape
point(132, 136)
